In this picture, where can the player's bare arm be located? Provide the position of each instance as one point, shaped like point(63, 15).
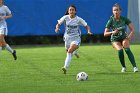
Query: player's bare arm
point(88, 29)
point(8, 16)
point(57, 28)
point(132, 30)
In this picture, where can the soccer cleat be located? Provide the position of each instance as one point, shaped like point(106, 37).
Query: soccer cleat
point(77, 55)
point(64, 70)
point(123, 69)
point(135, 69)
point(14, 55)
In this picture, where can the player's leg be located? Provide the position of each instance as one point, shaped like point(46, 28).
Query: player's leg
point(76, 53)
point(1, 39)
point(77, 42)
point(74, 45)
point(7, 47)
point(67, 46)
point(0, 44)
point(71, 45)
point(11, 51)
point(129, 53)
point(119, 48)
point(72, 48)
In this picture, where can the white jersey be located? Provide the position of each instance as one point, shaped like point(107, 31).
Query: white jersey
point(72, 25)
point(4, 10)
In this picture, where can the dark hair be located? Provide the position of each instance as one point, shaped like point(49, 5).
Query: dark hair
point(117, 5)
point(66, 13)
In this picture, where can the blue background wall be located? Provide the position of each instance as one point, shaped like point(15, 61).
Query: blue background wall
point(39, 17)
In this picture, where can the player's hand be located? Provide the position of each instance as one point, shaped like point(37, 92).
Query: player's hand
point(128, 38)
point(115, 31)
point(90, 33)
point(57, 30)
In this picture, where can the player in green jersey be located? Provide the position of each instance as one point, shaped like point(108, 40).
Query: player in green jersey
point(119, 38)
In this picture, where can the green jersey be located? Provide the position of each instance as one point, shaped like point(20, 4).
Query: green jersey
point(120, 26)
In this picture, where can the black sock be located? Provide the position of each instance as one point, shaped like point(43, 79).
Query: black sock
point(121, 57)
point(130, 56)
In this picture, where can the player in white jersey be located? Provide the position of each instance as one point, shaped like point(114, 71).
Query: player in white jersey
point(5, 13)
point(72, 36)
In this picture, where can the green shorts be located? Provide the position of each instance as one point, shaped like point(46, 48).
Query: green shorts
point(118, 39)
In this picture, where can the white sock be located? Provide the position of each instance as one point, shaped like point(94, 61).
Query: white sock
point(0, 50)
point(68, 60)
point(9, 48)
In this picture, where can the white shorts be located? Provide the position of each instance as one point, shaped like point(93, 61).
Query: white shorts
point(72, 40)
point(3, 31)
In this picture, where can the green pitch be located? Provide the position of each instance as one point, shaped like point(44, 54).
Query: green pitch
point(38, 70)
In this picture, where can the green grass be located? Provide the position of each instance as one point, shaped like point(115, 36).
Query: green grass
point(38, 70)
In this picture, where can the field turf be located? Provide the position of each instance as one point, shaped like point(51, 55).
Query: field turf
point(38, 70)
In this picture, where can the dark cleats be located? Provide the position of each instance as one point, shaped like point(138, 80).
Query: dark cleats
point(14, 55)
point(64, 70)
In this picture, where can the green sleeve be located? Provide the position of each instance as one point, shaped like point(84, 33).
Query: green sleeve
point(127, 21)
point(108, 25)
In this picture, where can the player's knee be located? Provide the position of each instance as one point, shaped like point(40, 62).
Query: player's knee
point(118, 47)
point(3, 44)
point(70, 50)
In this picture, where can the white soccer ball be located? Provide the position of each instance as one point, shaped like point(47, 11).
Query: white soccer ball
point(82, 76)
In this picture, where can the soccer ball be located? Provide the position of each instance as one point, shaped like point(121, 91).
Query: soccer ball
point(82, 76)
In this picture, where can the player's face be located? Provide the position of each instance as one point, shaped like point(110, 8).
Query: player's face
point(71, 11)
point(1, 2)
point(116, 12)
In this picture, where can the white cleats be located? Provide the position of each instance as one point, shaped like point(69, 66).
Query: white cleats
point(123, 69)
point(135, 69)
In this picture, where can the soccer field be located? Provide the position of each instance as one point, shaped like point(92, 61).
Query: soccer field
point(38, 70)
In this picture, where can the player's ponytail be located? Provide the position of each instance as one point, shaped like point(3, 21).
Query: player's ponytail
point(66, 13)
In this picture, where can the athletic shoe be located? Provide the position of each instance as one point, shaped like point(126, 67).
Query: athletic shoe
point(14, 55)
point(123, 69)
point(77, 55)
point(64, 70)
point(136, 69)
